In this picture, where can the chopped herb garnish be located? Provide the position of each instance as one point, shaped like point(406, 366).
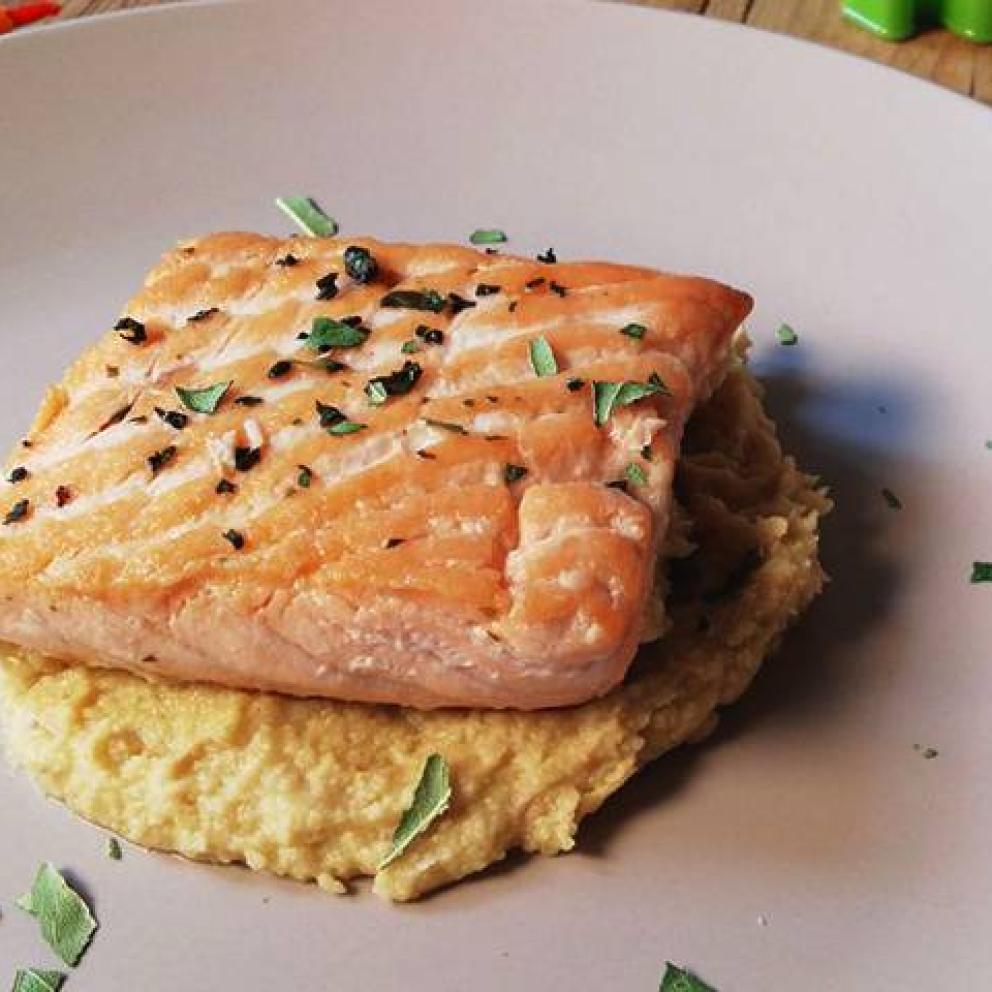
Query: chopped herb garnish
point(430, 799)
point(414, 299)
point(549, 257)
point(18, 474)
point(646, 452)
point(172, 417)
point(634, 331)
point(981, 571)
point(429, 334)
point(329, 415)
point(359, 264)
point(305, 477)
point(65, 920)
point(409, 347)
point(678, 979)
point(609, 395)
point(445, 425)
point(205, 400)
point(424, 453)
point(534, 283)
point(235, 538)
point(487, 236)
point(542, 358)
point(246, 458)
point(394, 542)
point(397, 383)
point(487, 289)
point(225, 487)
point(113, 849)
point(327, 333)
point(63, 495)
point(326, 364)
point(37, 980)
point(17, 512)
point(620, 484)
point(346, 427)
point(636, 474)
point(131, 330)
point(574, 385)
point(513, 306)
point(287, 261)
point(249, 401)
point(926, 752)
point(459, 303)
point(557, 288)
point(304, 212)
point(327, 286)
point(112, 371)
point(157, 460)
point(202, 315)
point(893, 501)
point(279, 369)
point(786, 335)
point(513, 473)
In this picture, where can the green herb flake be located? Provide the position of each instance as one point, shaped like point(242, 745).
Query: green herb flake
point(634, 331)
point(326, 333)
point(542, 358)
point(678, 979)
point(376, 393)
point(36, 980)
point(981, 571)
point(346, 427)
point(304, 212)
point(65, 920)
point(606, 396)
point(787, 336)
point(410, 347)
point(988, 445)
point(305, 477)
point(513, 473)
point(430, 800)
point(205, 400)
point(398, 383)
point(636, 474)
point(487, 236)
point(112, 849)
point(414, 299)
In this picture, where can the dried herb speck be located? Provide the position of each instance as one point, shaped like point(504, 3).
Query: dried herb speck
point(131, 330)
point(225, 488)
point(202, 315)
point(18, 474)
point(235, 538)
point(158, 460)
point(172, 417)
point(548, 257)
point(305, 477)
point(246, 458)
point(279, 369)
point(359, 264)
point(17, 512)
point(327, 286)
point(63, 495)
point(513, 473)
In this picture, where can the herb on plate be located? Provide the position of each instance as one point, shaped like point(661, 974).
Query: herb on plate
point(487, 236)
point(787, 336)
point(981, 571)
point(430, 799)
point(37, 980)
point(113, 849)
point(304, 212)
point(678, 979)
point(65, 920)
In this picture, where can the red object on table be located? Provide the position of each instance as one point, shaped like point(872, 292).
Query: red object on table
point(26, 13)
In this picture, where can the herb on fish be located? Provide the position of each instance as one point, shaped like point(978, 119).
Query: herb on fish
point(131, 330)
point(487, 236)
point(512, 306)
point(981, 571)
point(327, 286)
point(279, 369)
point(202, 315)
point(304, 212)
point(678, 979)
point(459, 303)
point(172, 417)
point(574, 385)
point(487, 289)
point(287, 261)
point(431, 335)
point(414, 299)
point(786, 335)
point(112, 371)
point(445, 425)
point(329, 415)
point(549, 257)
point(305, 477)
point(63, 495)
point(327, 333)
point(158, 460)
point(249, 401)
point(397, 383)
point(409, 347)
point(636, 474)
point(205, 400)
point(893, 501)
point(424, 453)
point(620, 484)
point(37, 980)
point(534, 283)
point(542, 358)
point(636, 331)
point(609, 395)
point(557, 288)
point(225, 487)
point(329, 365)
point(113, 849)
point(513, 473)
point(359, 264)
point(17, 512)
point(66, 922)
point(246, 458)
point(430, 799)
point(235, 538)
point(346, 427)
point(18, 474)
point(394, 542)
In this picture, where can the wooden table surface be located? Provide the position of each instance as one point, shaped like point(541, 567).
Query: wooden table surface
point(937, 55)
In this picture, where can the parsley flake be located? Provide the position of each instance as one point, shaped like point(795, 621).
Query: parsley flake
point(359, 264)
point(327, 286)
point(787, 336)
point(410, 347)
point(678, 979)
point(37, 980)
point(65, 920)
point(112, 849)
point(18, 474)
point(430, 800)
point(513, 473)
point(636, 474)
point(305, 477)
point(158, 460)
point(549, 257)
point(487, 236)
point(414, 299)
point(346, 427)
point(397, 383)
point(542, 358)
point(17, 512)
point(981, 571)
point(205, 400)
point(305, 214)
point(609, 395)
point(131, 330)
point(327, 333)
point(246, 458)
point(636, 331)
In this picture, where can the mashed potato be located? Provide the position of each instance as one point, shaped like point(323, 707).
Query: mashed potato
point(313, 789)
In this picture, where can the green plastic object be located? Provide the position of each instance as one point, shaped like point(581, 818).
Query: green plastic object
point(897, 20)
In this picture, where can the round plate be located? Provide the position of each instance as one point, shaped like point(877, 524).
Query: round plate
point(809, 844)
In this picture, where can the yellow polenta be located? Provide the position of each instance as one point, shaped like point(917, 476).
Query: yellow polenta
point(313, 789)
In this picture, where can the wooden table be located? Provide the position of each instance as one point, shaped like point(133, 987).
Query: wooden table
point(937, 55)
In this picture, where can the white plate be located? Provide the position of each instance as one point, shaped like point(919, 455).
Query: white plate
point(854, 202)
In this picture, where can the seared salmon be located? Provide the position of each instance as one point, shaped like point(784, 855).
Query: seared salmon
point(422, 475)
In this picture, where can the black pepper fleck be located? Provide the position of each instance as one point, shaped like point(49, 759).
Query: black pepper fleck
point(17, 512)
point(202, 315)
point(245, 458)
point(172, 417)
point(279, 369)
point(225, 487)
point(131, 330)
point(394, 542)
point(327, 286)
point(236, 539)
point(18, 474)
point(534, 283)
point(486, 289)
point(157, 460)
point(287, 261)
point(249, 401)
point(574, 385)
point(63, 495)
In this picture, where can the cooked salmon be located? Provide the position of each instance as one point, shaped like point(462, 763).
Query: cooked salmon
point(423, 475)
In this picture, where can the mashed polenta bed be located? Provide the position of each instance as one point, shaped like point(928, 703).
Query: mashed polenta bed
point(313, 789)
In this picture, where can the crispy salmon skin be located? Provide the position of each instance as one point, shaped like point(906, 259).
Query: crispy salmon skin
point(422, 475)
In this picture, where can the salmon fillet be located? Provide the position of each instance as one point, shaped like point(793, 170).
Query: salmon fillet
point(436, 476)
